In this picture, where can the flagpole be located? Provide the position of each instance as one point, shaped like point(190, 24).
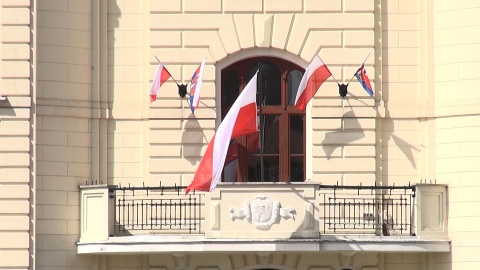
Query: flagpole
point(200, 64)
point(331, 74)
point(167, 71)
point(260, 90)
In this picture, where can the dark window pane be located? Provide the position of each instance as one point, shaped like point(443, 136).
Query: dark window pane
point(270, 165)
point(293, 79)
point(231, 86)
point(270, 134)
point(296, 135)
point(296, 169)
point(231, 160)
point(270, 85)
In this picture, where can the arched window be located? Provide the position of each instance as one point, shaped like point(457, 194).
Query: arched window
point(283, 124)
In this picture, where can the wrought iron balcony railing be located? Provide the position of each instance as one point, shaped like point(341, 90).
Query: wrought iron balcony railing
point(305, 210)
point(156, 209)
point(385, 210)
point(345, 209)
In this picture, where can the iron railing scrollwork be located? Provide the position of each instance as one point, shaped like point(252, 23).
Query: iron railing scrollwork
point(382, 210)
point(150, 210)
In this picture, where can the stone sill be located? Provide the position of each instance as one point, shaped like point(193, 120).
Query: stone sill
point(198, 243)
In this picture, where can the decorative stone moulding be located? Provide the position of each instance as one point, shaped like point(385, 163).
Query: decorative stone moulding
point(262, 212)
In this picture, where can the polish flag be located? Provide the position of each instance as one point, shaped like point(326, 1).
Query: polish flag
point(195, 86)
point(161, 76)
point(240, 120)
point(315, 74)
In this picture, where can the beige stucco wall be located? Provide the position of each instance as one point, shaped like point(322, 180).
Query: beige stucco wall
point(457, 141)
point(17, 124)
point(63, 139)
point(76, 76)
point(293, 30)
point(402, 131)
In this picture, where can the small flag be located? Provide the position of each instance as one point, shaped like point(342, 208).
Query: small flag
point(161, 76)
point(315, 74)
point(362, 77)
point(195, 86)
point(240, 120)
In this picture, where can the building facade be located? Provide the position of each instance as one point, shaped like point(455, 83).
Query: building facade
point(78, 134)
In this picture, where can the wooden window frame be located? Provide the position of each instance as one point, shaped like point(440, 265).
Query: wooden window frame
point(284, 111)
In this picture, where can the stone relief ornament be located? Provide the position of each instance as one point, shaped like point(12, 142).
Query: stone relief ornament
point(262, 212)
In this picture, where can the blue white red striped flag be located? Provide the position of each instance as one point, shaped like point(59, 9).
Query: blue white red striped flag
point(362, 78)
point(196, 86)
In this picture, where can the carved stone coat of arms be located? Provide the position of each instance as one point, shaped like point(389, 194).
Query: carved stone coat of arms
point(262, 212)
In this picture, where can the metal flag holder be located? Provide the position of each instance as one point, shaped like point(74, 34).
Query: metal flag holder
point(343, 88)
point(182, 88)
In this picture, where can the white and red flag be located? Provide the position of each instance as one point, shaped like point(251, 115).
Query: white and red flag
point(240, 120)
point(161, 76)
point(196, 86)
point(315, 74)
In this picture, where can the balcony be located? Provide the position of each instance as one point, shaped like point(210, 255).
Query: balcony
point(264, 217)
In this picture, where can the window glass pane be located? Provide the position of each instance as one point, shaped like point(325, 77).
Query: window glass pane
point(296, 134)
point(270, 134)
point(271, 88)
point(231, 85)
point(270, 165)
point(296, 169)
point(230, 167)
point(230, 171)
point(294, 77)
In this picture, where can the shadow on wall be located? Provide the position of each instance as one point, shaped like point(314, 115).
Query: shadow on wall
point(6, 108)
point(406, 148)
point(192, 139)
point(267, 32)
point(342, 136)
point(113, 21)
